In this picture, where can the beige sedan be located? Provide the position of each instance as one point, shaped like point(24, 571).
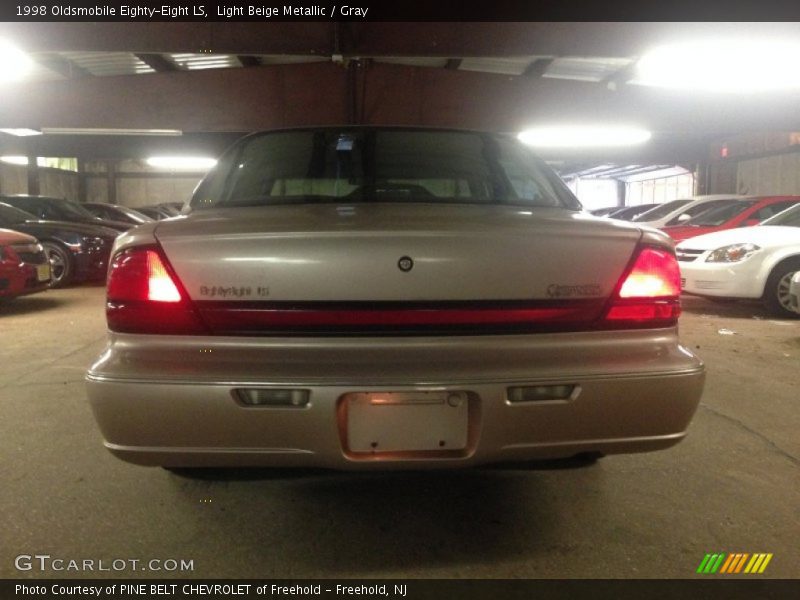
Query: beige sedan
point(385, 298)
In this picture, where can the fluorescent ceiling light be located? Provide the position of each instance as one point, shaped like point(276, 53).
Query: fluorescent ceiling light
point(14, 160)
point(14, 63)
point(21, 132)
point(189, 163)
point(104, 131)
point(583, 136)
point(723, 65)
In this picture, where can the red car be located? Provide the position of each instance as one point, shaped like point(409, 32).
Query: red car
point(737, 213)
point(24, 268)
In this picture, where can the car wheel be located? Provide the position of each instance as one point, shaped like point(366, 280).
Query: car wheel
point(776, 292)
point(61, 264)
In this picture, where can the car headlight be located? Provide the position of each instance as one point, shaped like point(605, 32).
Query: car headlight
point(733, 253)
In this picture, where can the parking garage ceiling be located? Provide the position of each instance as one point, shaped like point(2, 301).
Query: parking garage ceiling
point(215, 81)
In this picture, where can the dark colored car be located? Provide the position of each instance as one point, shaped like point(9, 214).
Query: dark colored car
point(628, 213)
point(738, 213)
point(116, 212)
point(23, 265)
point(602, 212)
point(58, 209)
point(76, 252)
point(157, 212)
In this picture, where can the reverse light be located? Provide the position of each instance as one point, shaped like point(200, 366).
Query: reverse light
point(733, 253)
point(540, 393)
point(274, 398)
point(145, 296)
point(160, 287)
point(655, 274)
point(648, 292)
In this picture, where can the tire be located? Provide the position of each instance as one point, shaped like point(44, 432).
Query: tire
point(62, 265)
point(776, 291)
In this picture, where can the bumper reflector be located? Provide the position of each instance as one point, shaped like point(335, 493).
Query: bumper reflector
point(538, 393)
point(272, 398)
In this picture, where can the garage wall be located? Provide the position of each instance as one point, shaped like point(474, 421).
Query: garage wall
point(52, 182)
point(134, 183)
point(769, 175)
point(58, 183)
point(13, 179)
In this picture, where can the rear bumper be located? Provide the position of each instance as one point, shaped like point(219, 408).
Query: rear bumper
point(168, 401)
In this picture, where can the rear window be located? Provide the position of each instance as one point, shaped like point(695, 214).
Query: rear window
point(661, 211)
point(699, 209)
point(721, 214)
point(789, 218)
point(373, 165)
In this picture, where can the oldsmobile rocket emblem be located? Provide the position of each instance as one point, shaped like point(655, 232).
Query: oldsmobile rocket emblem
point(405, 264)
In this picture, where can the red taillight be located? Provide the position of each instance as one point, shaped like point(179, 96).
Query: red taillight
point(145, 296)
point(648, 292)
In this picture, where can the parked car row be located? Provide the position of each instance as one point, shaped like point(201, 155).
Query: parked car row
point(721, 252)
point(75, 241)
point(746, 262)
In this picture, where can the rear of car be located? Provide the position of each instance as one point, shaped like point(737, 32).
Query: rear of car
point(362, 298)
point(24, 268)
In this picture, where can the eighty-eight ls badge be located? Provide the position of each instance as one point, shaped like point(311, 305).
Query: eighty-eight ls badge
point(732, 563)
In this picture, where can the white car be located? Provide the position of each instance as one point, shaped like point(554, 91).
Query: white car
point(794, 292)
point(749, 262)
point(676, 212)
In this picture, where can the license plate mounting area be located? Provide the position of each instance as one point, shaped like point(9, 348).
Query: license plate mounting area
point(423, 423)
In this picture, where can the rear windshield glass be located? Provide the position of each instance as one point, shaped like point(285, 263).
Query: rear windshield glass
point(787, 218)
point(698, 209)
point(13, 216)
point(661, 211)
point(366, 165)
point(721, 214)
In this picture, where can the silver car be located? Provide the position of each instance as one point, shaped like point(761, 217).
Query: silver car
point(386, 298)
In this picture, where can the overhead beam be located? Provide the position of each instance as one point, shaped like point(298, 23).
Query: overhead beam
point(208, 100)
point(620, 77)
point(248, 61)
point(157, 62)
point(280, 95)
point(297, 38)
point(453, 63)
point(537, 67)
point(62, 66)
point(243, 100)
point(376, 39)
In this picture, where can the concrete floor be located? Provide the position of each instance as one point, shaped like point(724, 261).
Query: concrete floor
point(732, 486)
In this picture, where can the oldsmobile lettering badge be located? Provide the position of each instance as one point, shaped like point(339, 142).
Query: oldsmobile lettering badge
point(591, 290)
